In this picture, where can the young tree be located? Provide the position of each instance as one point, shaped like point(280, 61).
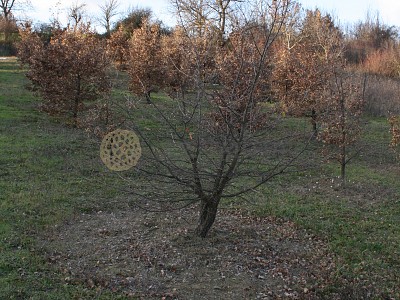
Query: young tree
point(341, 120)
point(118, 48)
point(8, 35)
point(303, 68)
point(178, 63)
point(118, 43)
point(144, 67)
point(217, 142)
point(68, 71)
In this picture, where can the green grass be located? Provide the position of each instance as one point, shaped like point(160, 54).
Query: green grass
point(360, 222)
point(49, 173)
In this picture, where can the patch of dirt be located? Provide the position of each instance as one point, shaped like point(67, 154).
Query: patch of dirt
point(155, 256)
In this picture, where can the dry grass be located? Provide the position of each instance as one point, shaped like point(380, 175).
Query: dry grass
point(382, 96)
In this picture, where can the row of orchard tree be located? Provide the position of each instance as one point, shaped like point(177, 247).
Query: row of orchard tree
point(220, 67)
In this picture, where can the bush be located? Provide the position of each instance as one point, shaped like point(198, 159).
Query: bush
point(384, 62)
point(68, 71)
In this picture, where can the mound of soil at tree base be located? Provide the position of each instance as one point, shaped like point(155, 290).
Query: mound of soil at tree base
point(154, 255)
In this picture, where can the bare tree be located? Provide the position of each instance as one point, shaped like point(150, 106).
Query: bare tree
point(203, 13)
point(77, 13)
point(6, 7)
point(214, 143)
point(109, 10)
point(8, 23)
point(193, 14)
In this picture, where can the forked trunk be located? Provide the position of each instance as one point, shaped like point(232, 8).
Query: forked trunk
point(208, 212)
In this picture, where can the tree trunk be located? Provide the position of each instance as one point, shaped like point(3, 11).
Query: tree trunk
point(343, 166)
point(208, 212)
point(148, 97)
point(77, 101)
point(314, 122)
point(343, 159)
point(343, 141)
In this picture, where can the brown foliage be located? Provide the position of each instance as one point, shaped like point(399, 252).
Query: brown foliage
point(299, 79)
point(341, 119)
point(302, 70)
point(118, 48)
point(368, 37)
point(179, 63)
point(343, 107)
point(145, 59)
point(68, 71)
point(384, 62)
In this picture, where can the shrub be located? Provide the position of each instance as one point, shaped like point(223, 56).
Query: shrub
point(384, 62)
point(68, 71)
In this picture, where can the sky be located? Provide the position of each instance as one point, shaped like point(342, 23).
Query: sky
point(346, 11)
point(45, 10)
point(351, 11)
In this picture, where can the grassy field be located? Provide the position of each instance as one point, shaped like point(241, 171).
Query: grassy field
point(50, 173)
point(47, 174)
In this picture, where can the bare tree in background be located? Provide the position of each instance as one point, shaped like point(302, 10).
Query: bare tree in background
point(8, 22)
point(7, 7)
point(109, 10)
point(209, 144)
point(77, 13)
point(192, 14)
point(199, 13)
